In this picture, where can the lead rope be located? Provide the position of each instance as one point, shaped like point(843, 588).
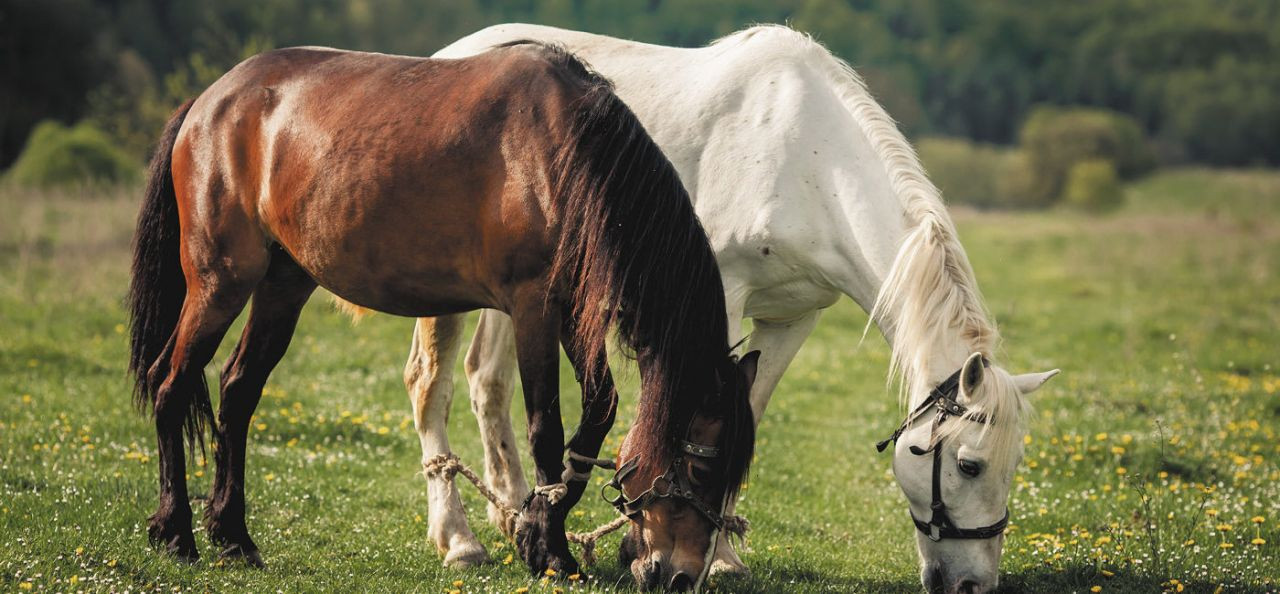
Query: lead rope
point(447, 466)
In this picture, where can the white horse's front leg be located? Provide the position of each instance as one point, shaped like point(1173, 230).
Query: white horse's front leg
point(491, 373)
point(428, 375)
point(778, 343)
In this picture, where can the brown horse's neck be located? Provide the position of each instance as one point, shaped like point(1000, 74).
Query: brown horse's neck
point(635, 257)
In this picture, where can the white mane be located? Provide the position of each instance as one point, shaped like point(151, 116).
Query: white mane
point(930, 297)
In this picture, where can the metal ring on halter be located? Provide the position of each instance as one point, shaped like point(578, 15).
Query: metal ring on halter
point(943, 399)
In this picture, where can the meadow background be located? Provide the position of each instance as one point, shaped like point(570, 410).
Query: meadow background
point(1108, 164)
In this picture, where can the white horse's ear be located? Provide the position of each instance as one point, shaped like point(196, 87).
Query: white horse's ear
point(1030, 382)
point(971, 375)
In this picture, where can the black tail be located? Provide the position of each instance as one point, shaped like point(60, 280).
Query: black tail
point(158, 287)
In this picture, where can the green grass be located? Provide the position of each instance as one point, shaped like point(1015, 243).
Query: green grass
point(1165, 318)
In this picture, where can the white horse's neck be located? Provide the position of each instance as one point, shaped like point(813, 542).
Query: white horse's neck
point(927, 301)
point(782, 147)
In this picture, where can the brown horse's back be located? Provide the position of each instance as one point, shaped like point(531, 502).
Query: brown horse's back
point(386, 178)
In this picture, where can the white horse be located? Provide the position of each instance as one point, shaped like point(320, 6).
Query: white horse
point(808, 192)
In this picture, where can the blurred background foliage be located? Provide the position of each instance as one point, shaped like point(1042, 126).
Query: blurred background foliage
point(1012, 103)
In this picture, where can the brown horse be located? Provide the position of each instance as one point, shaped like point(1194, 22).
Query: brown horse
point(514, 180)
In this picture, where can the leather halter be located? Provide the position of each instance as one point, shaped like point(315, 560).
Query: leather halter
point(943, 399)
point(671, 484)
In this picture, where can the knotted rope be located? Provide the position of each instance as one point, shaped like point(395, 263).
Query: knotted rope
point(447, 466)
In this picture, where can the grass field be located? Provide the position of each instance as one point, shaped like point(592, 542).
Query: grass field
point(1153, 465)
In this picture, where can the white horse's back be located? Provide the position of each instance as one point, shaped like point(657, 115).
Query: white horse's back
point(788, 185)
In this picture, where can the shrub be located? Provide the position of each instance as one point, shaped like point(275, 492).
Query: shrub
point(1057, 138)
point(1093, 185)
point(981, 175)
point(58, 155)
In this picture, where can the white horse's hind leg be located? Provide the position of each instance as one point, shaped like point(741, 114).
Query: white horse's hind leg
point(428, 375)
point(491, 373)
point(778, 343)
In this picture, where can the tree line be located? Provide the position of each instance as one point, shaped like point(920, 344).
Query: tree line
point(1200, 77)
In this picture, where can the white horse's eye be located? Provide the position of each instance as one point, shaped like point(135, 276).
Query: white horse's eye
point(969, 467)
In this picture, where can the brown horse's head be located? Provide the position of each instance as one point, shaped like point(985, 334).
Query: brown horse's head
point(675, 491)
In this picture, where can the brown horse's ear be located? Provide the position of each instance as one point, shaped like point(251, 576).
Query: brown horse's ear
point(748, 364)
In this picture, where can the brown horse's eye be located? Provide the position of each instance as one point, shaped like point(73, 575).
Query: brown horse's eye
point(699, 475)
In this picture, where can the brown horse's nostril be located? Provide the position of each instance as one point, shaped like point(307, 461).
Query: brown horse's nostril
point(680, 582)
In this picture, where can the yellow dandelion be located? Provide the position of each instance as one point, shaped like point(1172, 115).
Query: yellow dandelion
point(457, 583)
point(1106, 573)
point(1257, 519)
point(1120, 470)
point(1096, 589)
point(1117, 450)
point(111, 563)
point(25, 586)
point(550, 572)
point(1258, 541)
point(270, 477)
point(522, 589)
point(508, 559)
point(1211, 512)
point(1226, 545)
point(1223, 527)
point(1101, 436)
point(79, 550)
point(575, 577)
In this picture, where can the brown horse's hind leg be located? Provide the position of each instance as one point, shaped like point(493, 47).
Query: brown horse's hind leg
point(540, 533)
point(210, 306)
point(277, 302)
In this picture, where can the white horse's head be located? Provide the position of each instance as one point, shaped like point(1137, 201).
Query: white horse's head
point(963, 467)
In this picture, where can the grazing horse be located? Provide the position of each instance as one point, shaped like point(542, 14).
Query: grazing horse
point(808, 192)
point(514, 180)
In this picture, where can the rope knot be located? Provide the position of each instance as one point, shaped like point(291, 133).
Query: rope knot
point(553, 492)
point(443, 466)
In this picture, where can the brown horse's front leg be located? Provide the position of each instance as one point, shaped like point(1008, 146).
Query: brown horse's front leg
point(599, 409)
point(540, 532)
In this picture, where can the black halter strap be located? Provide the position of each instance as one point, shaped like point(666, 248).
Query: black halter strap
point(673, 483)
point(943, 399)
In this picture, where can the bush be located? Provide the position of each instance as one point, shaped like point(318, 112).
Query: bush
point(58, 155)
point(1093, 185)
point(981, 175)
point(1057, 138)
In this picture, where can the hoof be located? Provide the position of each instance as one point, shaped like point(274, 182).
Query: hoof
point(465, 555)
point(178, 542)
point(541, 540)
point(236, 553)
